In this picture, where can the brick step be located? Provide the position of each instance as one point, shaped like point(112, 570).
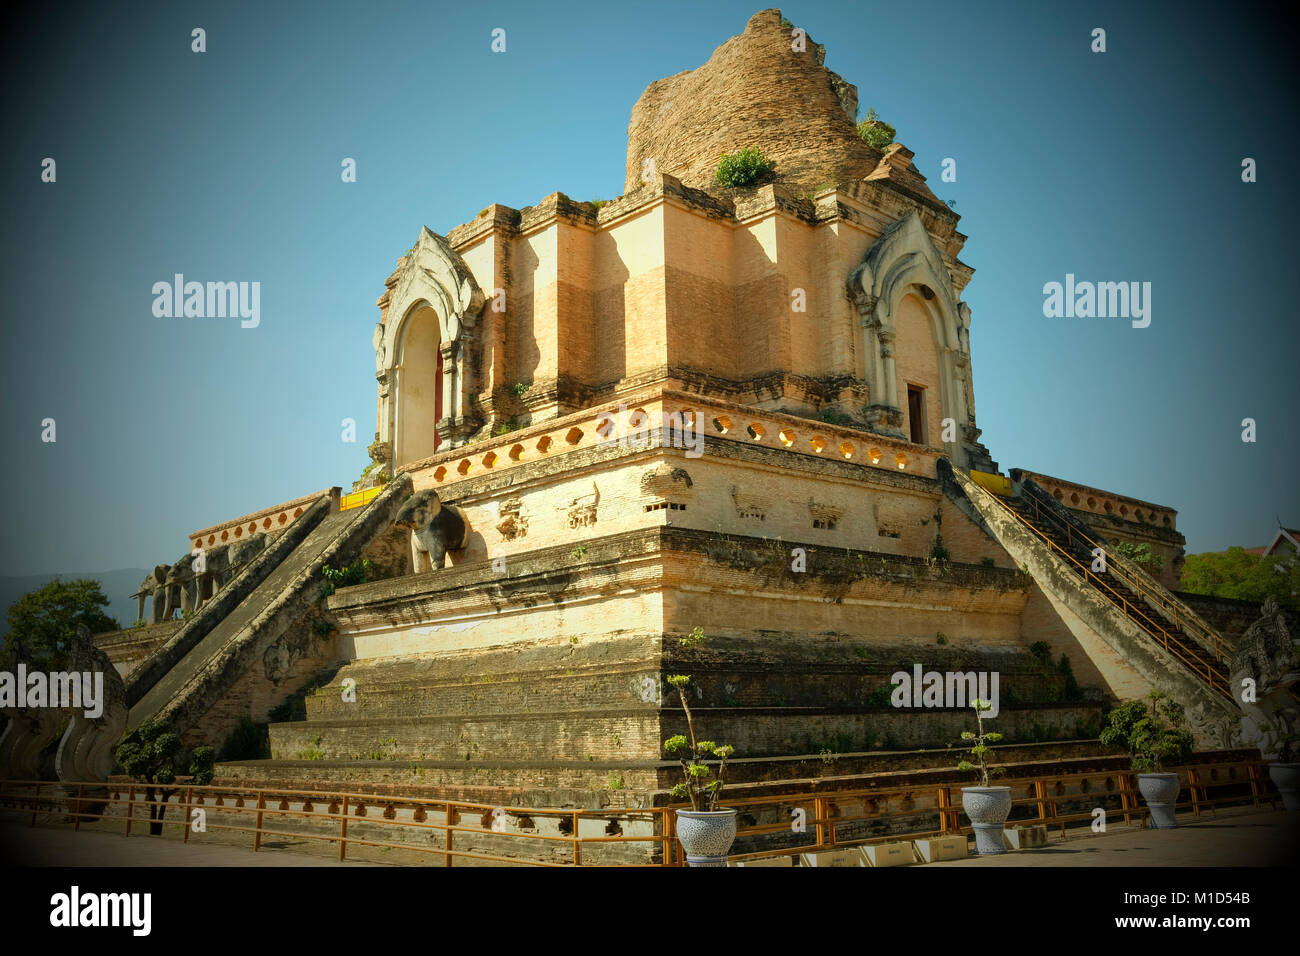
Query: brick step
point(604, 782)
point(635, 690)
point(622, 734)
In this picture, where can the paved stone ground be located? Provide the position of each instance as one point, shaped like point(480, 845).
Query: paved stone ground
point(1230, 838)
point(1242, 837)
point(59, 846)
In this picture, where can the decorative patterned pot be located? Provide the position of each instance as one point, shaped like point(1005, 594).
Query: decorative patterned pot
point(1286, 777)
point(706, 835)
point(987, 808)
point(1161, 793)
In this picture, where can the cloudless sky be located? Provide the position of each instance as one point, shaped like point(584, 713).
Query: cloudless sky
point(225, 166)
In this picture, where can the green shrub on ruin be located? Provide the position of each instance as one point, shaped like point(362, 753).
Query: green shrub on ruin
point(248, 741)
point(743, 168)
point(356, 573)
point(875, 132)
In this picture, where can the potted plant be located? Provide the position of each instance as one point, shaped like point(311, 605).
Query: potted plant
point(1284, 771)
point(1153, 730)
point(986, 806)
point(704, 830)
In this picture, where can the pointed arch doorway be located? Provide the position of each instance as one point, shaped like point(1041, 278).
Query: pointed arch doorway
point(419, 386)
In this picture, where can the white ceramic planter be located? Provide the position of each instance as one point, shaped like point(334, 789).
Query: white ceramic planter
point(987, 808)
point(706, 835)
point(1286, 777)
point(1160, 790)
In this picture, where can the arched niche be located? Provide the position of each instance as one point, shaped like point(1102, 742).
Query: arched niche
point(418, 386)
point(426, 352)
point(920, 387)
point(902, 278)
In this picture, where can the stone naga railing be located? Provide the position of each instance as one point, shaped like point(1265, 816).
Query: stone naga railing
point(85, 752)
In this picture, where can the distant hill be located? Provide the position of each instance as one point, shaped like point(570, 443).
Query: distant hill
point(118, 585)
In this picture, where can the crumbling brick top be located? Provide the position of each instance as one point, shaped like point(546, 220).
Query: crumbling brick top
point(762, 88)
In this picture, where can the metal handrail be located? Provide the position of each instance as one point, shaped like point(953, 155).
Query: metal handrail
point(1209, 639)
point(1185, 654)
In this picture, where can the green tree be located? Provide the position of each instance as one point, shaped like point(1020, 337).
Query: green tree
point(1235, 573)
point(42, 622)
point(154, 755)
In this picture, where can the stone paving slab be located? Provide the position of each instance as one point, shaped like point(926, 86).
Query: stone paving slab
point(1232, 838)
point(48, 846)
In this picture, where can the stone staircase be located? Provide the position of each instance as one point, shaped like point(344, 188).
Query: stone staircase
point(192, 672)
point(192, 630)
point(1201, 653)
point(1133, 629)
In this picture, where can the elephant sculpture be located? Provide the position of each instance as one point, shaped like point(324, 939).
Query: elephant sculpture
point(151, 587)
point(242, 553)
point(222, 563)
point(436, 528)
point(196, 578)
point(213, 572)
point(178, 589)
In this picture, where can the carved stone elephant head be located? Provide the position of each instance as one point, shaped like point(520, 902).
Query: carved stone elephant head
point(242, 552)
point(179, 587)
point(435, 527)
point(215, 568)
point(151, 587)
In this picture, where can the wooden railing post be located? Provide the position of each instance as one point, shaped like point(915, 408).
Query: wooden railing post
point(667, 848)
point(577, 853)
point(447, 846)
point(343, 829)
point(36, 802)
point(189, 812)
point(679, 857)
point(76, 825)
point(1252, 772)
point(130, 807)
point(257, 826)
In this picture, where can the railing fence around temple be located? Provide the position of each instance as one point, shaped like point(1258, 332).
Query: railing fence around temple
point(455, 832)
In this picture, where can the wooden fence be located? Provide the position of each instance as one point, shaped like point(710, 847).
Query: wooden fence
point(447, 831)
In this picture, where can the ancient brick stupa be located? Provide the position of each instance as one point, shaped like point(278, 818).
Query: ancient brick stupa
point(745, 414)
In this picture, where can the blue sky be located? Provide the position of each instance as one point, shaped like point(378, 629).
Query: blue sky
point(225, 166)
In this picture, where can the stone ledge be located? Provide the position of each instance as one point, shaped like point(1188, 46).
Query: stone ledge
point(555, 568)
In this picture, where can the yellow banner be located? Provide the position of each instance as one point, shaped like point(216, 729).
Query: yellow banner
point(996, 484)
point(358, 498)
